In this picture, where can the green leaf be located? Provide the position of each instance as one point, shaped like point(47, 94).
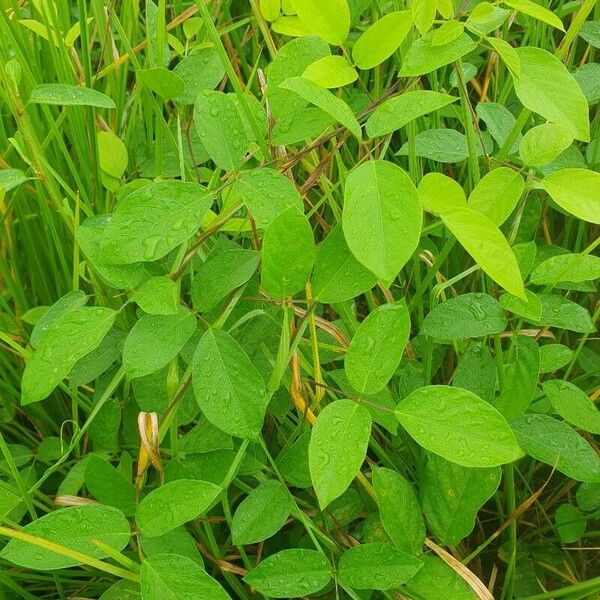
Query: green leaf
point(287, 254)
point(476, 371)
point(290, 573)
point(376, 566)
point(570, 522)
point(330, 72)
point(376, 348)
point(267, 194)
point(108, 485)
point(176, 577)
point(381, 39)
point(77, 528)
point(337, 449)
point(439, 193)
point(292, 26)
point(325, 100)
point(270, 9)
point(112, 154)
point(556, 444)
point(65, 304)
point(174, 504)
point(221, 129)
point(542, 144)
point(590, 32)
point(397, 112)
point(482, 239)
point(572, 404)
point(153, 220)
point(497, 193)
point(155, 340)
point(166, 84)
point(554, 357)
point(437, 580)
point(548, 89)
point(157, 296)
point(458, 426)
point(225, 270)
point(261, 514)
point(520, 378)
point(442, 145)
point(69, 95)
point(447, 32)
point(466, 316)
point(423, 56)
point(507, 53)
point(230, 391)
point(329, 19)
point(423, 14)
point(200, 70)
point(566, 267)
point(338, 276)
point(382, 217)
point(499, 121)
point(399, 510)
point(10, 179)
point(530, 309)
point(565, 314)
point(527, 7)
point(577, 191)
point(68, 339)
point(452, 495)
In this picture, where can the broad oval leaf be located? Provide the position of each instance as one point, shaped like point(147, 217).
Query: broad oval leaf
point(69, 95)
point(520, 378)
point(267, 194)
point(466, 316)
point(527, 7)
point(165, 83)
point(290, 573)
point(558, 445)
point(65, 341)
point(322, 98)
point(399, 510)
point(437, 580)
point(155, 340)
point(152, 220)
point(542, 144)
point(329, 19)
point(376, 566)
point(337, 448)
point(174, 504)
point(108, 485)
point(220, 128)
point(157, 296)
point(381, 39)
point(459, 426)
point(331, 72)
point(452, 495)
point(439, 193)
point(482, 239)
point(338, 276)
point(376, 349)
point(287, 254)
point(230, 391)
point(577, 191)
point(566, 267)
point(572, 404)
point(261, 514)
point(76, 528)
point(176, 577)
point(497, 193)
point(546, 87)
point(382, 217)
point(423, 56)
point(397, 112)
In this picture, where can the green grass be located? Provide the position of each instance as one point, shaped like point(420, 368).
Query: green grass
point(243, 272)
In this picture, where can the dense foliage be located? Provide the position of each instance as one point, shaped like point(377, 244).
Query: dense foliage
point(297, 299)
